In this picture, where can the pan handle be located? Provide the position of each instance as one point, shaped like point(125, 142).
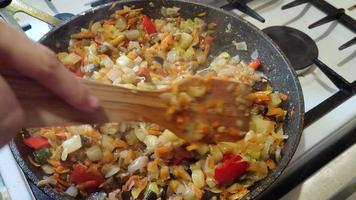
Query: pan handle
point(20, 6)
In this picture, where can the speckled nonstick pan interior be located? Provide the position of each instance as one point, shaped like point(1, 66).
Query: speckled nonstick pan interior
point(274, 65)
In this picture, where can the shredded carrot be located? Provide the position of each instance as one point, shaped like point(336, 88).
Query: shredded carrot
point(62, 182)
point(260, 97)
point(60, 169)
point(197, 191)
point(131, 22)
point(129, 183)
point(271, 164)
point(164, 151)
point(123, 11)
point(54, 163)
point(121, 144)
point(166, 42)
point(275, 112)
point(164, 173)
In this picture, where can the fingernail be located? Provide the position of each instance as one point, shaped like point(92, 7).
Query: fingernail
point(93, 102)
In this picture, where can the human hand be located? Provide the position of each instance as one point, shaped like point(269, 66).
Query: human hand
point(38, 62)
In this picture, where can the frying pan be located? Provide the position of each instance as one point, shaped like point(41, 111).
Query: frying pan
point(274, 64)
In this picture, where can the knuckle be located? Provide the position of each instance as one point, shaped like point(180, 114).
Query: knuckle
point(49, 63)
point(13, 120)
point(78, 97)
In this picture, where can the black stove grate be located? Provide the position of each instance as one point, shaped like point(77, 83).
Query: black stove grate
point(332, 14)
point(329, 148)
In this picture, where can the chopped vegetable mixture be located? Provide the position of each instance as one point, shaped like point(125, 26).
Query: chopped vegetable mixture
point(137, 160)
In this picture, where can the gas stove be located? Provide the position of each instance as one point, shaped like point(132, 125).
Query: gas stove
point(330, 121)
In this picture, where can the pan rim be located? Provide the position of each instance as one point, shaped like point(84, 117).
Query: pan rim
point(264, 183)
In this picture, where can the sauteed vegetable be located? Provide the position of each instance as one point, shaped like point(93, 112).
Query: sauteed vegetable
point(138, 160)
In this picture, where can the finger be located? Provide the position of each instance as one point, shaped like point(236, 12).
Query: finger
point(51, 73)
point(40, 63)
point(11, 114)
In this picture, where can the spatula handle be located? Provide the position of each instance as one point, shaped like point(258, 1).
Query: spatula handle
point(43, 108)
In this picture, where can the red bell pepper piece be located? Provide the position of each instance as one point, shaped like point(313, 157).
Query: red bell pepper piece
point(149, 26)
point(36, 142)
point(88, 180)
point(79, 73)
point(255, 64)
point(232, 168)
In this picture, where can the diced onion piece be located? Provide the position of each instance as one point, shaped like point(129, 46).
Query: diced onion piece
point(95, 27)
point(240, 46)
point(94, 153)
point(47, 169)
point(124, 61)
point(170, 12)
point(216, 153)
point(110, 128)
point(138, 164)
point(200, 56)
point(236, 59)
point(132, 34)
point(121, 24)
point(228, 147)
point(275, 100)
point(227, 71)
point(113, 74)
point(112, 171)
point(107, 142)
point(261, 125)
point(254, 55)
point(151, 142)
point(167, 136)
point(106, 61)
point(185, 40)
point(71, 59)
point(198, 178)
point(72, 191)
point(71, 145)
point(46, 180)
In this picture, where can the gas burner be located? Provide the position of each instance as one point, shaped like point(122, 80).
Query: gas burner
point(298, 46)
point(302, 52)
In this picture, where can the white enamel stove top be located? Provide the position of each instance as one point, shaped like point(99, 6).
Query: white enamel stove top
point(315, 85)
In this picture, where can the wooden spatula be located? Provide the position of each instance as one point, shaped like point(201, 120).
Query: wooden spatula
point(219, 113)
